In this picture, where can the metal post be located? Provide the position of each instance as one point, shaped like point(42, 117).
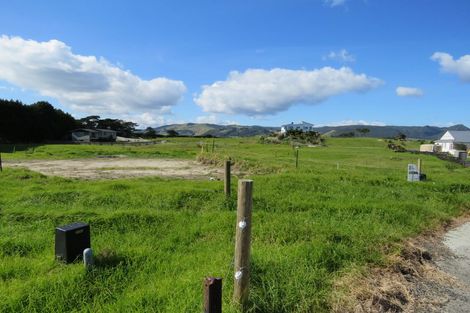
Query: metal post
point(213, 295)
point(227, 178)
point(243, 242)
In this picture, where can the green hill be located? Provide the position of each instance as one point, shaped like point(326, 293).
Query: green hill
point(418, 132)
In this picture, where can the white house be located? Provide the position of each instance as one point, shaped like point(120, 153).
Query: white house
point(304, 126)
point(451, 139)
point(88, 135)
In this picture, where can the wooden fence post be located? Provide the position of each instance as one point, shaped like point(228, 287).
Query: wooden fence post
point(419, 166)
point(1, 166)
point(297, 158)
point(227, 178)
point(243, 242)
point(213, 145)
point(212, 295)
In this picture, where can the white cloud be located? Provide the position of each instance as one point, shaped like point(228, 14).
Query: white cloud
point(151, 120)
point(83, 83)
point(353, 122)
point(209, 119)
point(261, 92)
point(409, 92)
point(342, 56)
point(214, 119)
point(461, 66)
point(334, 3)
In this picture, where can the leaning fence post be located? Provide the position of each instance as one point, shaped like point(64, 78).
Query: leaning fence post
point(227, 178)
point(242, 242)
point(297, 158)
point(213, 295)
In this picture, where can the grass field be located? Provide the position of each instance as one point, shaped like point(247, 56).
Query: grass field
point(346, 207)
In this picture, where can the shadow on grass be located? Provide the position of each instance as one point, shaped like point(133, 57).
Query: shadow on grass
point(11, 148)
point(108, 258)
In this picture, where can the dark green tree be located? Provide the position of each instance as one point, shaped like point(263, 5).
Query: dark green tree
point(150, 133)
point(363, 131)
point(172, 133)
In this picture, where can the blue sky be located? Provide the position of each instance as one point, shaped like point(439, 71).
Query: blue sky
point(264, 62)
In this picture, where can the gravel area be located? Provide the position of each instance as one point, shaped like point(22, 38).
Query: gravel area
point(112, 168)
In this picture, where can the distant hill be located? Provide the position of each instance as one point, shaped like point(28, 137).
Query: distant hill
point(194, 129)
point(417, 132)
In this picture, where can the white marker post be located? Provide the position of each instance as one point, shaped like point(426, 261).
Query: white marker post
point(88, 258)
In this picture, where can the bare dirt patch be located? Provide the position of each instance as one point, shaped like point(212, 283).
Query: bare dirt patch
point(112, 168)
point(429, 275)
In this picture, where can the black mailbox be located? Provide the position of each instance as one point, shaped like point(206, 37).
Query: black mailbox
point(71, 240)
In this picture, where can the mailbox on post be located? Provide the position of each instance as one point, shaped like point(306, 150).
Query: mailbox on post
point(71, 240)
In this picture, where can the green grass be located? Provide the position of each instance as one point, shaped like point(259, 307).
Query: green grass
point(345, 207)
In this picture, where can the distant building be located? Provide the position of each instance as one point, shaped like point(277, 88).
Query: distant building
point(304, 126)
point(451, 141)
point(427, 148)
point(89, 135)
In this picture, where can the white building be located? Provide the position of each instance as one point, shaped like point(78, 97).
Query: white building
point(88, 135)
point(304, 126)
point(451, 139)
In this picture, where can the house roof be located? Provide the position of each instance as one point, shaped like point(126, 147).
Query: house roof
point(460, 135)
point(299, 124)
point(106, 130)
point(84, 130)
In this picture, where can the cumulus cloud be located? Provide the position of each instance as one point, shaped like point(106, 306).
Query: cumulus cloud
point(209, 119)
point(334, 3)
point(214, 119)
point(83, 83)
point(409, 92)
point(342, 56)
point(461, 66)
point(263, 92)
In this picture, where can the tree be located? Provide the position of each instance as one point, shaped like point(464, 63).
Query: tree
point(90, 121)
point(400, 136)
point(172, 133)
point(363, 131)
point(150, 133)
point(123, 128)
point(37, 122)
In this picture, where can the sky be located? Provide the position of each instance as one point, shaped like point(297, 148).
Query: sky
point(248, 62)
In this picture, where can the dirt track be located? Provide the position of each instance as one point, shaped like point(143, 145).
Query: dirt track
point(111, 168)
point(432, 274)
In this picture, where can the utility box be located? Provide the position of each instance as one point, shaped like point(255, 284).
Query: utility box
point(413, 174)
point(463, 156)
point(71, 240)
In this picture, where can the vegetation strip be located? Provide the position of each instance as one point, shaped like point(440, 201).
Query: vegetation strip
point(345, 207)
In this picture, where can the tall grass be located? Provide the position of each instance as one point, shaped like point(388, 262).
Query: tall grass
point(155, 239)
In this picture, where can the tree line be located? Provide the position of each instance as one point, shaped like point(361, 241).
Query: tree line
point(41, 122)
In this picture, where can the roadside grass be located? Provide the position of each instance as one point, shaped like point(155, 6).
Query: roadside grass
point(345, 207)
